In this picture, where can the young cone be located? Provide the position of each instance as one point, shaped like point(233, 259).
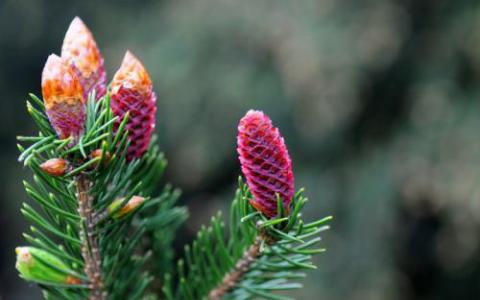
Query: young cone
point(63, 98)
point(265, 163)
point(81, 51)
point(132, 92)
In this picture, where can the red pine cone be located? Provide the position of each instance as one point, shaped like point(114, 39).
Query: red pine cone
point(132, 91)
point(265, 163)
point(81, 51)
point(63, 98)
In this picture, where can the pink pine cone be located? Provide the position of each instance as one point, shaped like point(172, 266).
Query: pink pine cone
point(265, 163)
point(132, 91)
point(63, 98)
point(80, 50)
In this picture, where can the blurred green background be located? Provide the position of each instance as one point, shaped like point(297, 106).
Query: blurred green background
point(378, 101)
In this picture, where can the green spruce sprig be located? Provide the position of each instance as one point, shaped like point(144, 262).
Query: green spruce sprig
point(109, 244)
point(249, 257)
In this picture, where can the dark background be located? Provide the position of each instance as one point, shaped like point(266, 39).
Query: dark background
point(378, 102)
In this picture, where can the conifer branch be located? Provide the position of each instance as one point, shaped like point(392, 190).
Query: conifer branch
point(267, 243)
point(252, 257)
point(93, 206)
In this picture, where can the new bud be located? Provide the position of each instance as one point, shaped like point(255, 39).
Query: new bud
point(55, 166)
point(116, 212)
point(63, 98)
point(132, 92)
point(265, 163)
point(80, 50)
point(98, 153)
point(36, 265)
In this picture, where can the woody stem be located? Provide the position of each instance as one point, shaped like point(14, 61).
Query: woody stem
point(240, 269)
point(89, 248)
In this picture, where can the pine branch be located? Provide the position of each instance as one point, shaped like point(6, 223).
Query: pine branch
point(268, 244)
point(259, 257)
point(82, 217)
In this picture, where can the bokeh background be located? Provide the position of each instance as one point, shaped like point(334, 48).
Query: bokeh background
point(378, 100)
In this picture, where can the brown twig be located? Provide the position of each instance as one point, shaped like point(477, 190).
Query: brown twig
point(90, 249)
point(240, 269)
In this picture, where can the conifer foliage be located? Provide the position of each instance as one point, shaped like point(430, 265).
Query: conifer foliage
point(96, 217)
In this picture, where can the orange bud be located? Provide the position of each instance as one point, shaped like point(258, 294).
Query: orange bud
point(98, 153)
point(55, 166)
point(132, 204)
point(72, 280)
